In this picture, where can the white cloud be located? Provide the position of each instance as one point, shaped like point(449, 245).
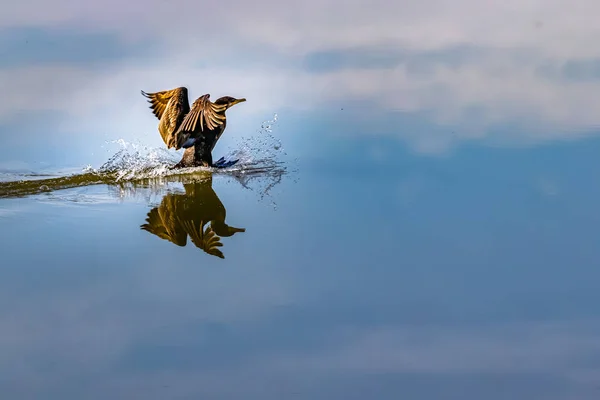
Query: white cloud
point(558, 27)
point(503, 80)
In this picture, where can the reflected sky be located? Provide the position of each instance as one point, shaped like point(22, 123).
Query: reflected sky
point(359, 284)
point(439, 240)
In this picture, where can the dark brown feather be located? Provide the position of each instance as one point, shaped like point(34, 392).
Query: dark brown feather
point(203, 116)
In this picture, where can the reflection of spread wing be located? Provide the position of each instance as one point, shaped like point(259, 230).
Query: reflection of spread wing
point(173, 106)
point(163, 223)
point(203, 113)
point(206, 240)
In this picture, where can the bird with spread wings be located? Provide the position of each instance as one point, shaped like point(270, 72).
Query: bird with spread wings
point(196, 129)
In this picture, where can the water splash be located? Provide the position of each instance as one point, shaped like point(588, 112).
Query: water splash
point(259, 168)
point(134, 161)
point(264, 153)
point(263, 147)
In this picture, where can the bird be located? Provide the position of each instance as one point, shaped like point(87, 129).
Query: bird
point(195, 129)
point(197, 214)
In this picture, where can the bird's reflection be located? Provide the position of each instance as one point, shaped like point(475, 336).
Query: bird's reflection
point(197, 213)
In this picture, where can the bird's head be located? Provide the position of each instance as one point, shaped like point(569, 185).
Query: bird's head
point(229, 101)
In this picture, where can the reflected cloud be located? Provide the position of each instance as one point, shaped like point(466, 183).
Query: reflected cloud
point(198, 214)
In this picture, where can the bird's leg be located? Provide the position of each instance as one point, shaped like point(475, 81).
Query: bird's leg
point(195, 156)
point(187, 160)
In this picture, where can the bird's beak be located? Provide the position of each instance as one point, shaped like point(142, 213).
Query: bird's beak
point(236, 101)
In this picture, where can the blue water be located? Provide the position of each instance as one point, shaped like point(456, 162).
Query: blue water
point(438, 279)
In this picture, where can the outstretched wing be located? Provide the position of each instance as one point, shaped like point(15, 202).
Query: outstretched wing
point(206, 240)
point(204, 115)
point(162, 222)
point(170, 107)
point(159, 100)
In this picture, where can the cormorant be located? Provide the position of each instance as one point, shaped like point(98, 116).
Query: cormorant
point(198, 214)
point(197, 130)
